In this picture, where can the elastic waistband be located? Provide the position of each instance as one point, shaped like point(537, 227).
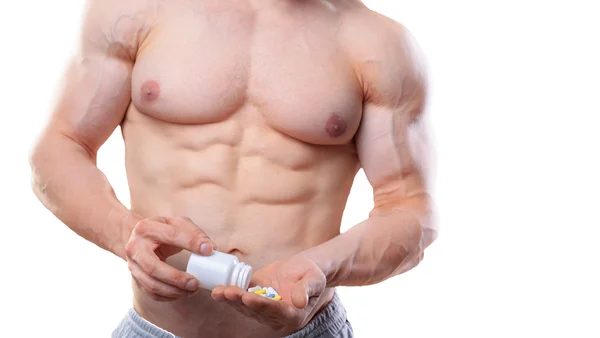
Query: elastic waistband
point(144, 328)
point(330, 320)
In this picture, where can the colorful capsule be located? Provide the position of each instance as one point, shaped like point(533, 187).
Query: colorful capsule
point(256, 288)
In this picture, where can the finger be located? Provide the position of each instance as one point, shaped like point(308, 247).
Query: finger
point(252, 306)
point(249, 313)
point(155, 297)
point(151, 265)
point(260, 303)
point(279, 311)
point(304, 289)
point(186, 222)
point(187, 237)
point(154, 287)
point(234, 294)
point(218, 293)
point(231, 296)
point(300, 295)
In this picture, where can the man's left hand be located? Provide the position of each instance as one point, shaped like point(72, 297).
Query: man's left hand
point(299, 282)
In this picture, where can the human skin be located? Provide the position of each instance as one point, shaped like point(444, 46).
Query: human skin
point(244, 125)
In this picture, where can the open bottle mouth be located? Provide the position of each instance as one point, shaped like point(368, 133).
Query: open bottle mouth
point(241, 275)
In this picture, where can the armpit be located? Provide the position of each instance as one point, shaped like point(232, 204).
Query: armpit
point(124, 26)
point(393, 72)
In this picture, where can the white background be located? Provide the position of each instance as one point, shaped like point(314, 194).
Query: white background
point(515, 111)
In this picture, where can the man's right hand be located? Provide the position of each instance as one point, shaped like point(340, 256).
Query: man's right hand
point(155, 239)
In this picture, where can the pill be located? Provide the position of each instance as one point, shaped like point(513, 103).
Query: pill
point(256, 288)
point(267, 292)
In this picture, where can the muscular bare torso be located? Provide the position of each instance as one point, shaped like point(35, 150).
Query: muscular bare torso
point(243, 117)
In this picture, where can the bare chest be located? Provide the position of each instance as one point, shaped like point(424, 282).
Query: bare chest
point(207, 65)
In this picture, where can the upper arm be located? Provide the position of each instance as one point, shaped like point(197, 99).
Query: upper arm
point(96, 87)
point(392, 141)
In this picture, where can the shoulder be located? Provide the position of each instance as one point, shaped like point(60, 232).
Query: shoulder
point(116, 26)
point(386, 56)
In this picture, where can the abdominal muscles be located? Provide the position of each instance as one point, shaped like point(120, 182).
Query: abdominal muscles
point(256, 192)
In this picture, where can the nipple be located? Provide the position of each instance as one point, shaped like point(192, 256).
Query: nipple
point(150, 91)
point(336, 126)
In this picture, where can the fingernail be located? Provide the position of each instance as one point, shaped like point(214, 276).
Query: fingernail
point(206, 248)
point(192, 285)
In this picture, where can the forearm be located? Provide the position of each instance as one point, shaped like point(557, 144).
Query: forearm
point(389, 243)
point(67, 182)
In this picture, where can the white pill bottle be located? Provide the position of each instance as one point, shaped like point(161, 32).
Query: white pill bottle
point(219, 269)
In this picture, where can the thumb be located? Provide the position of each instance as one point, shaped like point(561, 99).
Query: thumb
point(304, 289)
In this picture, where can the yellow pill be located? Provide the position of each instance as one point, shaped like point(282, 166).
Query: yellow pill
point(276, 297)
point(260, 292)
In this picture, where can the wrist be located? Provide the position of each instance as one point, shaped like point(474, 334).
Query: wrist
point(125, 224)
point(323, 262)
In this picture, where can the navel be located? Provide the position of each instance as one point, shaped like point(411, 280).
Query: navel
point(150, 91)
point(336, 126)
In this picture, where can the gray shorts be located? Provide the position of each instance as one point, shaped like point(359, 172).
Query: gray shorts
point(329, 323)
